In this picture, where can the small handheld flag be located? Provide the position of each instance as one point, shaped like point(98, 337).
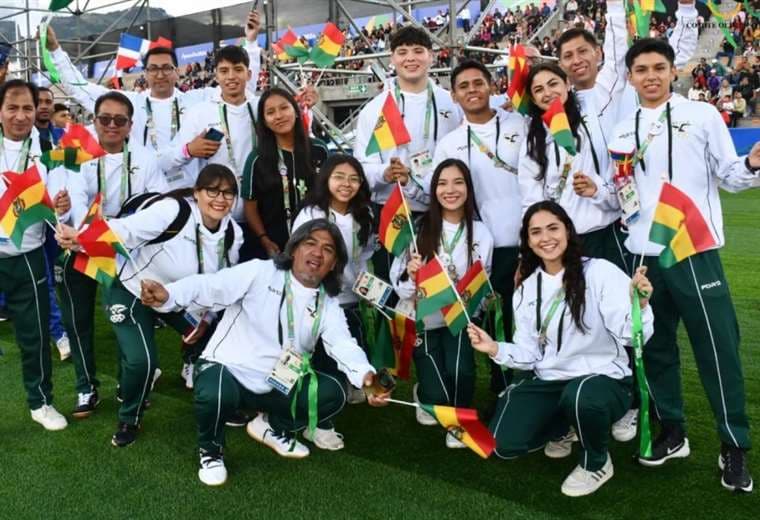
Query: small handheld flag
point(288, 40)
point(24, 203)
point(133, 48)
point(434, 289)
point(100, 245)
point(559, 126)
point(395, 229)
point(464, 424)
point(76, 146)
point(390, 130)
point(517, 69)
point(327, 49)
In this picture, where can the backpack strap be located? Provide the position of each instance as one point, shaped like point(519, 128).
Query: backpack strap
point(229, 239)
point(177, 224)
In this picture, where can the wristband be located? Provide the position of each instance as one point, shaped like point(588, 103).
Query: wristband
point(186, 152)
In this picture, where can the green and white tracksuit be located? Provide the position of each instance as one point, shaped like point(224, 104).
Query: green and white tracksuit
point(580, 378)
point(693, 151)
point(446, 363)
point(249, 339)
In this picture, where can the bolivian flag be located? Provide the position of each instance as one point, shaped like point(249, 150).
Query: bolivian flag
point(556, 119)
point(517, 69)
point(25, 202)
point(295, 47)
point(395, 230)
point(324, 53)
point(404, 338)
point(679, 226)
point(100, 246)
point(465, 425)
point(390, 130)
point(77, 146)
point(95, 211)
point(472, 288)
point(288, 40)
point(434, 289)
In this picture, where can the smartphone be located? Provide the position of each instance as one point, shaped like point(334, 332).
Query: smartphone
point(214, 135)
point(253, 10)
point(5, 52)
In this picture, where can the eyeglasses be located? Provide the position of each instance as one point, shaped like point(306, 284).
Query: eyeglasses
point(351, 179)
point(214, 193)
point(119, 121)
point(154, 70)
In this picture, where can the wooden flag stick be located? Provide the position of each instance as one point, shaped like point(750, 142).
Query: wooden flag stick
point(451, 283)
point(405, 403)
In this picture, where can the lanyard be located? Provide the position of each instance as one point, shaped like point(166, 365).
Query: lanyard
point(642, 147)
point(354, 237)
point(449, 250)
point(23, 156)
point(287, 298)
point(228, 138)
point(430, 107)
point(283, 171)
point(150, 125)
point(473, 137)
point(199, 251)
point(125, 187)
point(593, 150)
point(563, 175)
point(543, 325)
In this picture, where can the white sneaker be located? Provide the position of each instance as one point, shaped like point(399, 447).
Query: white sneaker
point(626, 427)
point(187, 375)
point(424, 418)
point(580, 482)
point(288, 447)
point(64, 347)
point(156, 374)
point(562, 447)
point(355, 395)
point(49, 418)
point(212, 471)
point(453, 442)
point(325, 439)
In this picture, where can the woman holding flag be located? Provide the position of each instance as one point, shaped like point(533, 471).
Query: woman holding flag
point(449, 237)
point(187, 224)
point(573, 317)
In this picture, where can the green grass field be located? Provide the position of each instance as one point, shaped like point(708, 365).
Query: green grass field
point(391, 467)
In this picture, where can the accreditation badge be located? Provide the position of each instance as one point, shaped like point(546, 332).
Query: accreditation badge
point(371, 288)
point(628, 197)
point(286, 371)
point(421, 164)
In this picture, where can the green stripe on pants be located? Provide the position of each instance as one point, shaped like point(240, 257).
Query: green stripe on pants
point(503, 268)
point(23, 279)
point(445, 368)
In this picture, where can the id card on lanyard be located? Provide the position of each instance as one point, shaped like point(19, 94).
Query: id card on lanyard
point(228, 138)
point(125, 182)
point(542, 325)
point(421, 161)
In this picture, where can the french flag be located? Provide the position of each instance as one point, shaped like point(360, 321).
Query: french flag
point(133, 48)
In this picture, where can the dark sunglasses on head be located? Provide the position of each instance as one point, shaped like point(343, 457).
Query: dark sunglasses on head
point(119, 121)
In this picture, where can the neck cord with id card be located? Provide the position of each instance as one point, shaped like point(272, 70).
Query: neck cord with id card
point(23, 156)
point(150, 124)
point(282, 169)
point(431, 110)
point(564, 174)
point(472, 137)
point(449, 250)
point(354, 236)
point(228, 139)
point(593, 150)
point(287, 299)
point(199, 251)
point(655, 129)
point(543, 325)
point(125, 186)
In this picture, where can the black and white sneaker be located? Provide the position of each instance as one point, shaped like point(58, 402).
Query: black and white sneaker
point(733, 463)
point(125, 435)
point(212, 471)
point(3, 314)
point(670, 444)
point(86, 404)
point(238, 420)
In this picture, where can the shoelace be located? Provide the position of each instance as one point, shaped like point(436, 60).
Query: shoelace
point(284, 438)
point(735, 461)
point(209, 461)
point(83, 399)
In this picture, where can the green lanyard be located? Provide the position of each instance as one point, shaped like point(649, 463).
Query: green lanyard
point(428, 110)
point(288, 297)
point(283, 171)
point(642, 148)
point(125, 188)
point(150, 125)
point(497, 162)
point(23, 156)
point(355, 251)
point(449, 250)
point(199, 251)
point(543, 325)
point(228, 138)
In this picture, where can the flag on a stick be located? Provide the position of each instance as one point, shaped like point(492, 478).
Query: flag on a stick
point(100, 245)
point(434, 289)
point(464, 424)
point(559, 126)
point(517, 69)
point(390, 130)
point(395, 229)
point(24, 203)
point(327, 49)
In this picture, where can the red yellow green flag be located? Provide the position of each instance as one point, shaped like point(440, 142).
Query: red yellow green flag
point(390, 130)
point(288, 40)
point(679, 226)
point(623, 162)
point(472, 288)
point(559, 126)
point(404, 338)
point(100, 245)
point(293, 47)
point(395, 230)
point(517, 69)
point(464, 424)
point(24, 203)
point(434, 289)
point(95, 211)
point(652, 5)
point(76, 147)
point(327, 49)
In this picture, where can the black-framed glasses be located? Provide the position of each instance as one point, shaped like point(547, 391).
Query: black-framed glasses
point(119, 120)
point(214, 193)
point(155, 69)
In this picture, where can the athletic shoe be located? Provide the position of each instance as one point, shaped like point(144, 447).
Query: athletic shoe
point(424, 418)
point(325, 439)
point(562, 447)
point(64, 347)
point(187, 375)
point(452, 441)
point(49, 418)
point(86, 404)
point(212, 471)
point(3, 314)
point(355, 395)
point(732, 461)
point(581, 482)
point(670, 444)
point(125, 435)
point(625, 428)
point(283, 444)
point(237, 420)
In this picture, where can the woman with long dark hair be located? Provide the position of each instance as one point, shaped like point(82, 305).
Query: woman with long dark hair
point(548, 172)
point(445, 362)
point(573, 318)
point(279, 173)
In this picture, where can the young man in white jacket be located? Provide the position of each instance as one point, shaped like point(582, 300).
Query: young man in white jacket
point(275, 311)
point(685, 143)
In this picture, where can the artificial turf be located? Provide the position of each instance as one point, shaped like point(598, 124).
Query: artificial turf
point(391, 467)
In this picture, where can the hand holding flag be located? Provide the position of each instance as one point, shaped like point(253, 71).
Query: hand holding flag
point(24, 203)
